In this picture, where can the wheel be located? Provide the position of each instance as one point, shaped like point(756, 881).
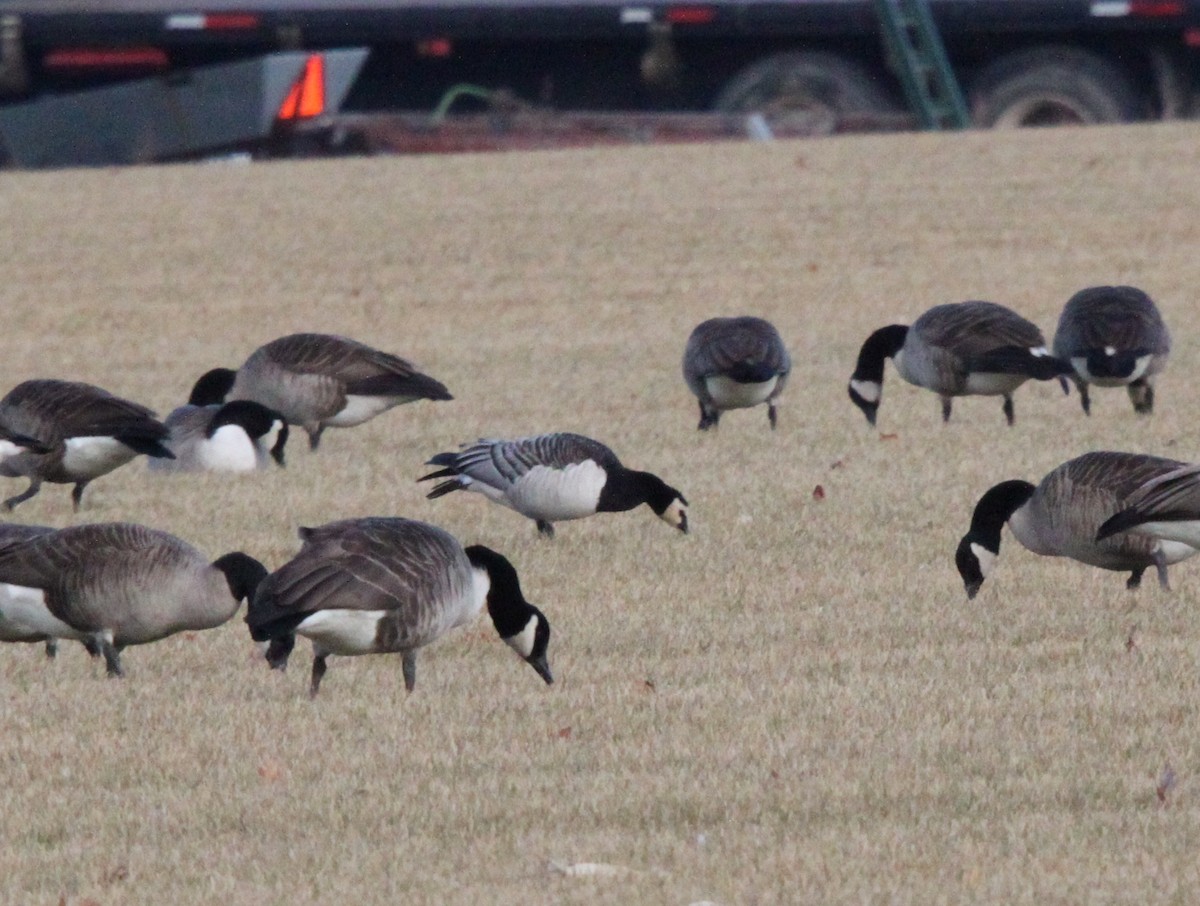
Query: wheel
point(1052, 86)
point(809, 90)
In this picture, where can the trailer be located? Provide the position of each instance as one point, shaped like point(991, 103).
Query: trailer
point(791, 64)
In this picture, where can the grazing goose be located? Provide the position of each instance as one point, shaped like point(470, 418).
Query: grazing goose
point(241, 436)
point(86, 432)
point(1113, 336)
point(380, 585)
point(735, 363)
point(321, 381)
point(1165, 507)
point(958, 349)
point(553, 477)
point(1060, 518)
point(116, 584)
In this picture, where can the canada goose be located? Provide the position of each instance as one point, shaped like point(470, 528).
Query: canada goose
point(553, 477)
point(1113, 336)
point(379, 585)
point(117, 584)
point(958, 349)
point(735, 363)
point(321, 381)
point(87, 432)
point(233, 437)
point(1060, 518)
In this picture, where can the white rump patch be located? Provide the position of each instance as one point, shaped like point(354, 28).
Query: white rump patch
point(987, 560)
point(1175, 551)
point(557, 494)
point(871, 391)
point(522, 642)
point(991, 384)
point(346, 632)
point(359, 409)
point(729, 394)
point(90, 457)
point(1184, 532)
point(24, 615)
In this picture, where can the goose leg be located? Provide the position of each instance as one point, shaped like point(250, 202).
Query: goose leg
point(92, 647)
point(1141, 394)
point(545, 528)
point(1160, 564)
point(318, 672)
point(945, 408)
point(409, 664)
point(314, 435)
point(1062, 382)
point(112, 657)
point(51, 648)
point(1084, 399)
point(772, 415)
point(77, 494)
point(35, 485)
point(708, 418)
point(1009, 413)
point(1135, 579)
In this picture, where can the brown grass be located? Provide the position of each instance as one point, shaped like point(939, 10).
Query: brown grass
point(795, 703)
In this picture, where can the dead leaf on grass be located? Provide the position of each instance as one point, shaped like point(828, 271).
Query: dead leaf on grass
point(818, 493)
point(889, 436)
point(1166, 783)
point(272, 770)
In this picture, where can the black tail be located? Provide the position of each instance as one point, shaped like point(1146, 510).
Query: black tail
point(1119, 365)
point(150, 446)
point(442, 489)
point(1126, 519)
point(266, 622)
point(751, 372)
point(1020, 360)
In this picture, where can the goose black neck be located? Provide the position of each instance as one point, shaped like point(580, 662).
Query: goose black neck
point(880, 346)
point(212, 387)
point(996, 507)
point(243, 573)
point(254, 417)
point(505, 603)
point(628, 488)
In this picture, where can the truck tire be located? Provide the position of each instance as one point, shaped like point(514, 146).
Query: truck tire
point(810, 90)
point(1052, 86)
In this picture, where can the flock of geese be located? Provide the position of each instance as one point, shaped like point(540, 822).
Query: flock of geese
point(386, 584)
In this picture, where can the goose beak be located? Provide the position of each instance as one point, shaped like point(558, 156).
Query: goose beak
point(542, 666)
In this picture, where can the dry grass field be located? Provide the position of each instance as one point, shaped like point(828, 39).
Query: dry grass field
point(794, 703)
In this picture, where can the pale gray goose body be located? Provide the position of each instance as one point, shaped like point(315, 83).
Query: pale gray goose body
point(85, 431)
point(320, 381)
point(1114, 336)
point(957, 349)
point(241, 436)
point(380, 585)
point(735, 363)
point(554, 477)
point(118, 584)
point(1063, 514)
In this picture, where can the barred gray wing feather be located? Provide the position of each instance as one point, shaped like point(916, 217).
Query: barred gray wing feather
point(968, 329)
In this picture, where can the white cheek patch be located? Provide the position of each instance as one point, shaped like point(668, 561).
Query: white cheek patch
point(522, 642)
point(228, 450)
point(987, 560)
point(870, 391)
point(675, 513)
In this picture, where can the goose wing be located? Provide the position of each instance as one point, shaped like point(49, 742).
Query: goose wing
point(379, 564)
point(361, 369)
point(1170, 496)
point(501, 463)
point(51, 410)
point(1121, 317)
point(971, 329)
point(722, 345)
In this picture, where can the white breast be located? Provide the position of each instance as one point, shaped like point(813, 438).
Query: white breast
point(24, 615)
point(91, 457)
point(729, 394)
point(557, 494)
point(228, 450)
point(359, 409)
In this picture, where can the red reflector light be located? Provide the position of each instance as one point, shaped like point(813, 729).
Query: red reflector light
point(105, 57)
point(435, 47)
point(690, 15)
point(1157, 8)
point(307, 95)
point(1191, 37)
point(230, 21)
